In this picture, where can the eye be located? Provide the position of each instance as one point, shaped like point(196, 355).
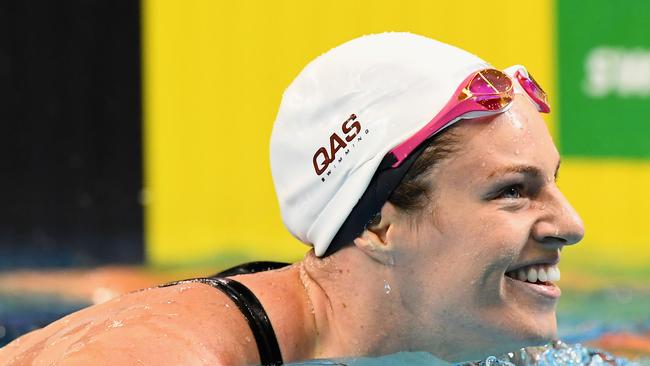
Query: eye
point(512, 192)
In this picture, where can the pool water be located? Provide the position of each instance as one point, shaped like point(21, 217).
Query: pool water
point(587, 315)
point(556, 354)
point(20, 313)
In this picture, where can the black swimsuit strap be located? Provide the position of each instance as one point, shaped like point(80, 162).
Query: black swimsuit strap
point(251, 267)
point(251, 308)
point(258, 320)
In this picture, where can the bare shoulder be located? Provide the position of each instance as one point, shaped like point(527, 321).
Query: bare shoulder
point(188, 323)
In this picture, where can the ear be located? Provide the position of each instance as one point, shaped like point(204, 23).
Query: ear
point(377, 240)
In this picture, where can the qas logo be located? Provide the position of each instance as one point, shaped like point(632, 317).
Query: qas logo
point(349, 130)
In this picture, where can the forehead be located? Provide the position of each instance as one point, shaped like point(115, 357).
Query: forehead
point(517, 137)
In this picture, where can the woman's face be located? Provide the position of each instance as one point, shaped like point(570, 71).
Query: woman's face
point(495, 211)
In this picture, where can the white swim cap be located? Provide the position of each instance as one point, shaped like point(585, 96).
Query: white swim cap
point(343, 113)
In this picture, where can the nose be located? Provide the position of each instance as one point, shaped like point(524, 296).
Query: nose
point(559, 224)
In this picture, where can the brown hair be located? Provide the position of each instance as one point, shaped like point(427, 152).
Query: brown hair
point(413, 192)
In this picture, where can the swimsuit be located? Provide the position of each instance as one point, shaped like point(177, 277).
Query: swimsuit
point(249, 305)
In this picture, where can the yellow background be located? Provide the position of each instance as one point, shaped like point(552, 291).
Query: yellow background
point(214, 75)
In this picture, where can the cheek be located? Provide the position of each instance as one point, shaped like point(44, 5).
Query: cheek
point(466, 247)
point(477, 237)
point(499, 231)
point(480, 248)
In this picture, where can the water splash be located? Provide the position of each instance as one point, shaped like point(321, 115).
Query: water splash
point(556, 354)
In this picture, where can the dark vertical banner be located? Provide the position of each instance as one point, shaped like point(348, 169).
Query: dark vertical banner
point(70, 133)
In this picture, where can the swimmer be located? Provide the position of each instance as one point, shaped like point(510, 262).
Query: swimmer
point(425, 181)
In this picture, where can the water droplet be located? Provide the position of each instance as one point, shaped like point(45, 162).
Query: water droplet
point(386, 287)
point(116, 324)
point(491, 361)
point(183, 288)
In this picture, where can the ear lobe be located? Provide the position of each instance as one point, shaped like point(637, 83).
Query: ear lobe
point(375, 247)
point(376, 241)
point(372, 245)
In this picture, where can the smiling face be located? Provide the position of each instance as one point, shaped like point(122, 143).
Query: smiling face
point(495, 209)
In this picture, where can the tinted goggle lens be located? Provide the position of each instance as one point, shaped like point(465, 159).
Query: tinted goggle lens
point(534, 91)
point(490, 88)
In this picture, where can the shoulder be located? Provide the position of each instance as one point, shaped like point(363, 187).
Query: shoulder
point(188, 323)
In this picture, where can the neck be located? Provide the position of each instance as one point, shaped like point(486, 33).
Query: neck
point(356, 309)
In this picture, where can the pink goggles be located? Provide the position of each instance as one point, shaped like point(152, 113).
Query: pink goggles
point(483, 93)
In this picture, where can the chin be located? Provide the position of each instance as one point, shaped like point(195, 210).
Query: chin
point(543, 337)
point(502, 329)
point(510, 340)
point(537, 331)
point(532, 331)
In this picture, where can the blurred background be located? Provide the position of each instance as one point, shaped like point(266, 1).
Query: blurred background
point(134, 140)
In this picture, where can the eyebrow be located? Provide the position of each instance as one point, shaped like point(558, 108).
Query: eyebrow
point(522, 169)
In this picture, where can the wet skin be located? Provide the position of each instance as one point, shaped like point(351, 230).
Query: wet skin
point(188, 324)
point(494, 205)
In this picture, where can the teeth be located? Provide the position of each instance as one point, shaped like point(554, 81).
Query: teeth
point(553, 274)
point(532, 275)
point(522, 275)
point(542, 273)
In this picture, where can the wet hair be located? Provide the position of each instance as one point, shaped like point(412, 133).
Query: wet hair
point(411, 195)
point(414, 191)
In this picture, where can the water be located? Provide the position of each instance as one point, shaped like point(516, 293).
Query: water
point(585, 316)
point(20, 314)
point(556, 354)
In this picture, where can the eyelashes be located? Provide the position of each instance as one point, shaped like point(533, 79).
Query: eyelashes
point(518, 188)
point(512, 191)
